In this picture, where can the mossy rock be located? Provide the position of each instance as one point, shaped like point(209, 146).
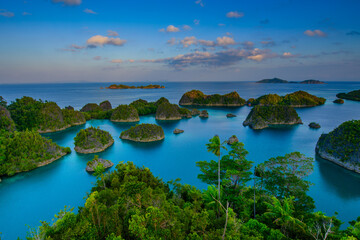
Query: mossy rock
point(92, 140)
point(314, 125)
point(91, 107)
point(198, 98)
point(342, 145)
point(144, 133)
point(339, 101)
point(6, 121)
point(195, 112)
point(168, 111)
point(91, 165)
point(295, 99)
point(125, 113)
point(204, 114)
point(353, 95)
point(27, 150)
point(267, 116)
point(105, 105)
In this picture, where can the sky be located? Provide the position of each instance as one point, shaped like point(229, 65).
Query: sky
point(56, 41)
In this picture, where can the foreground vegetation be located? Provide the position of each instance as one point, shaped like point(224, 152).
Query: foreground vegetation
point(130, 203)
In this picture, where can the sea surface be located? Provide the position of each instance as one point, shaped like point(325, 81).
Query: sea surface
point(28, 198)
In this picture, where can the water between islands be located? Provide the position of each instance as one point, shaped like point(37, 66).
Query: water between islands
point(27, 198)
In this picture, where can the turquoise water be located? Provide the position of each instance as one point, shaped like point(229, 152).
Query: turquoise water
point(30, 197)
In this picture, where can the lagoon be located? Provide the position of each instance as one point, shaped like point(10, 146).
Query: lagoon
point(30, 197)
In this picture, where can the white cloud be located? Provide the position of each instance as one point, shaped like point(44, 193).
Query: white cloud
point(315, 33)
point(200, 2)
point(89, 11)
point(99, 40)
point(196, 21)
point(170, 28)
point(172, 41)
point(187, 28)
point(68, 2)
point(225, 41)
point(5, 13)
point(97, 58)
point(77, 46)
point(112, 33)
point(26, 14)
point(235, 14)
point(187, 41)
point(131, 60)
point(117, 61)
point(207, 43)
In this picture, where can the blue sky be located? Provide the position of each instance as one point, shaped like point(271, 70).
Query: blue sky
point(179, 40)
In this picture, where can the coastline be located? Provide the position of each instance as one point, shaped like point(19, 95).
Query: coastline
point(96, 150)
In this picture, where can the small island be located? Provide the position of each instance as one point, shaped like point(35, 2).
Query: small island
point(43, 117)
point(314, 125)
point(144, 133)
point(268, 116)
point(122, 86)
point(296, 99)
point(204, 114)
point(92, 140)
point(353, 95)
point(168, 111)
point(342, 145)
point(279, 80)
point(92, 165)
point(177, 131)
point(125, 113)
point(27, 150)
point(339, 101)
point(198, 98)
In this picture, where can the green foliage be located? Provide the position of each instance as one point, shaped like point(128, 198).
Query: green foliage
point(168, 111)
point(6, 122)
point(3, 102)
point(144, 107)
point(125, 113)
point(92, 137)
point(343, 142)
point(353, 95)
point(296, 99)
point(143, 131)
point(24, 151)
point(284, 177)
point(196, 97)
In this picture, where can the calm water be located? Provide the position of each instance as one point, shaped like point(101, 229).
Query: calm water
point(27, 198)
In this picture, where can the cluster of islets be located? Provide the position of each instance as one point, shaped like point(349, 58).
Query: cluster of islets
point(22, 121)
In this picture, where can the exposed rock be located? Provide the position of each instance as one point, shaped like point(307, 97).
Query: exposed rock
point(69, 108)
point(314, 125)
point(168, 111)
point(204, 114)
point(92, 140)
point(125, 113)
point(266, 116)
point(91, 107)
point(342, 145)
point(91, 165)
point(339, 101)
point(195, 112)
point(105, 105)
point(232, 139)
point(230, 115)
point(144, 133)
point(353, 95)
point(6, 121)
point(198, 98)
point(177, 131)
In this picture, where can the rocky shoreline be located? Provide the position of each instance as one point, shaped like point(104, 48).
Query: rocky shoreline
point(94, 150)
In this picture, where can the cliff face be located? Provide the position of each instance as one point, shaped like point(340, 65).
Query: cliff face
point(198, 98)
point(6, 121)
point(105, 105)
point(144, 133)
point(342, 145)
point(168, 111)
point(125, 113)
point(91, 107)
point(265, 116)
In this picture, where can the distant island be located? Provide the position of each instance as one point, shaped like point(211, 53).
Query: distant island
point(92, 140)
point(342, 145)
point(122, 86)
point(278, 80)
point(198, 98)
point(353, 95)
